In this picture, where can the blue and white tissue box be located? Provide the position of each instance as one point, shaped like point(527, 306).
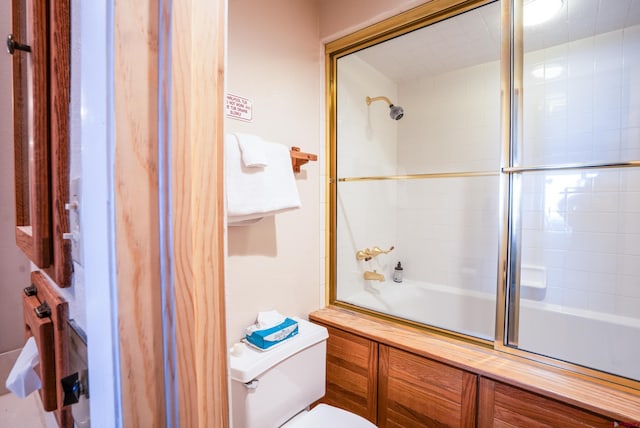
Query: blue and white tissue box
point(268, 337)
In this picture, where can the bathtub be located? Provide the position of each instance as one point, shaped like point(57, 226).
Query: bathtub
point(602, 341)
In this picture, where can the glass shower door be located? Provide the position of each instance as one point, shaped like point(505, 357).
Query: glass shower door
point(423, 188)
point(576, 174)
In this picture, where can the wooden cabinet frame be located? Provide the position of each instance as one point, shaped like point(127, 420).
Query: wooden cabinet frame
point(30, 131)
point(41, 94)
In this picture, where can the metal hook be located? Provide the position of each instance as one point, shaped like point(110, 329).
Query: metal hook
point(12, 45)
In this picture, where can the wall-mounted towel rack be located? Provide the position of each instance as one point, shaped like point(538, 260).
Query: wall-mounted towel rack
point(299, 158)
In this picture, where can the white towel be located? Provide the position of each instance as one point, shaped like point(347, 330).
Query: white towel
point(253, 193)
point(253, 150)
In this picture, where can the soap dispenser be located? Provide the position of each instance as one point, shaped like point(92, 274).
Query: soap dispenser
point(397, 273)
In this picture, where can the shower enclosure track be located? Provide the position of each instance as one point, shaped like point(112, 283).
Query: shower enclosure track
point(513, 169)
point(421, 176)
point(564, 167)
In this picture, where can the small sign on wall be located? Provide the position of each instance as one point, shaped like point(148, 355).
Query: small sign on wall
point(239, 108)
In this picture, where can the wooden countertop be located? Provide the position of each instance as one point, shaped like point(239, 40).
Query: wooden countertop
point(620, 403)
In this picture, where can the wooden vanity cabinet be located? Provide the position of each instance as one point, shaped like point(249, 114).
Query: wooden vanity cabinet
point(418, 392)
point(352, 373)
point(505, 405)
point(391, 387)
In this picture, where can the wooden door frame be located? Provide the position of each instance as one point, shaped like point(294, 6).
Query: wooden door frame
point(170, 100)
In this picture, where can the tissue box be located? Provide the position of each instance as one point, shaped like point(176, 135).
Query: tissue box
point(264, 339)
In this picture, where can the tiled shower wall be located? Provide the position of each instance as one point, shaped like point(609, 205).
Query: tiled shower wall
point(448, 227)
point(582, 104)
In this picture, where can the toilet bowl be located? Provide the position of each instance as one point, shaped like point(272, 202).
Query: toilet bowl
point(275, 388)
point(323, 416)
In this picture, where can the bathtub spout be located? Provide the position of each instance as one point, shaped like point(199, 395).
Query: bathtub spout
point(368, 275)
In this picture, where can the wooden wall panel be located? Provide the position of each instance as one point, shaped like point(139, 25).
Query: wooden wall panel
point(196, 117)
point(504, 405)
point(416, 391)
point(352, 373)
point(136, 212)
point(193, 112)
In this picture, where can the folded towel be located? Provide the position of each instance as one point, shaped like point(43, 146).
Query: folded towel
point(253, 151)
point(253, 193)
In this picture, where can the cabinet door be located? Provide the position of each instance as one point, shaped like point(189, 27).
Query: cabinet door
point(418, 392)
point(31, 129)
point(352, 373)
point(503, 405)
point(41, 93)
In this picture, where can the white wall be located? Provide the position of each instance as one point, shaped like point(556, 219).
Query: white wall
point(274, 59)
point(339, 17)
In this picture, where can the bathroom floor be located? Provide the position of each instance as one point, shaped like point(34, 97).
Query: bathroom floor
point(16, 412)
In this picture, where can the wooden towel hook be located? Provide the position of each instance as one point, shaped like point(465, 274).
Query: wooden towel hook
point(299, 158)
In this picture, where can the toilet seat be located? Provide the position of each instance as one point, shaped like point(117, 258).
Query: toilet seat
point(323, 416)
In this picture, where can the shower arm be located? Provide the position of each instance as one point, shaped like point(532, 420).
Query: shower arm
point(370, 100)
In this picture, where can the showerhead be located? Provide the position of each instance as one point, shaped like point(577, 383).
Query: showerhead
point(396, 112)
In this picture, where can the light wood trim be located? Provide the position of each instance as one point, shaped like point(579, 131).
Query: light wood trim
point(197, 94)
point(181, 185)
point(136, 213)
point(31, 133)
point(60, 64)
point(613, 401)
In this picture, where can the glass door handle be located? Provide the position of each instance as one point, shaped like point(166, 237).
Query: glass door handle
point(12, 45)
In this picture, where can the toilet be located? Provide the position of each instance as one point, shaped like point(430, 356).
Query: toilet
point(274, 388)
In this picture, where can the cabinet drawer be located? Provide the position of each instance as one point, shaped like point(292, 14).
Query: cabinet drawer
point(416, 391)
point(352, 373)
point(504, 405)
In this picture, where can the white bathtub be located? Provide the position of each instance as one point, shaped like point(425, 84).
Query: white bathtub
point(597, 340)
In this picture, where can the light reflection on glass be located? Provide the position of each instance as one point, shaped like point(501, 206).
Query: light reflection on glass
point(557, 191)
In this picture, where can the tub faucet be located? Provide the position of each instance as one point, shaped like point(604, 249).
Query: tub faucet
point(367, 254)
point(373, 276)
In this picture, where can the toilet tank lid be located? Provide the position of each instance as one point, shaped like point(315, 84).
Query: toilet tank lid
point(251, 363)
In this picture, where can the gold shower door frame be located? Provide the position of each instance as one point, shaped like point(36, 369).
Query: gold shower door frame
point(511, 83)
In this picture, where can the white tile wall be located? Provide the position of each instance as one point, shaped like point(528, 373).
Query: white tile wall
point(583, 226)
point(587, 110)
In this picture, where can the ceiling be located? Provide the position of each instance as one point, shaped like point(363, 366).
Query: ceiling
point(474, 37)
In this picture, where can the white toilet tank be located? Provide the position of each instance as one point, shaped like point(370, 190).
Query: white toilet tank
point(270, 387)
